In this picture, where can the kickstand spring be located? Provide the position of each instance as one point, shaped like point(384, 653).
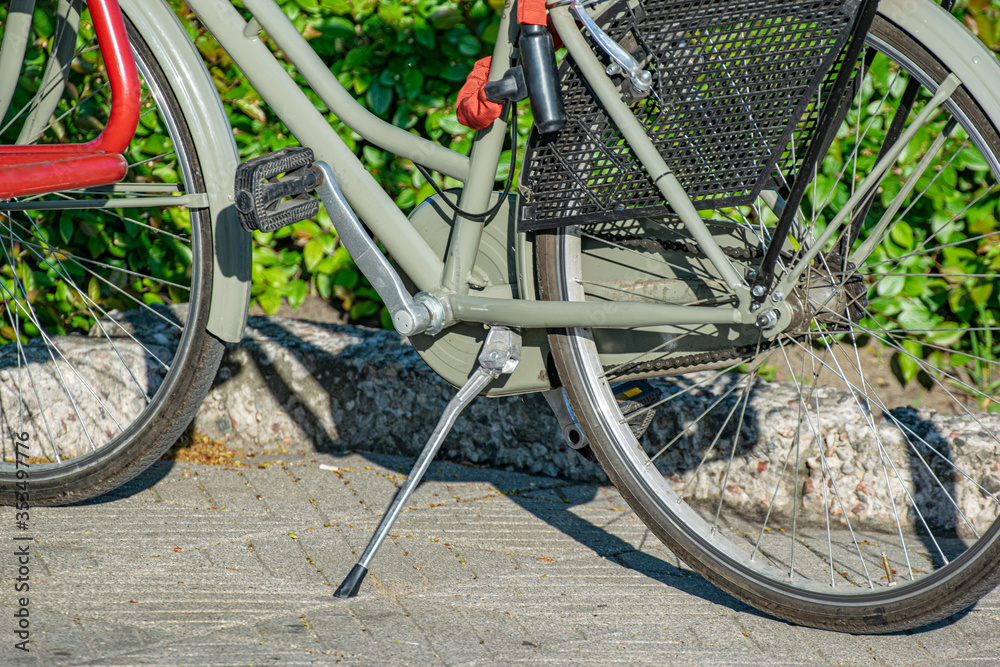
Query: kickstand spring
point(500, 354)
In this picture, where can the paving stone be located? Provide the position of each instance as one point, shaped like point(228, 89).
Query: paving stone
point(544, 581)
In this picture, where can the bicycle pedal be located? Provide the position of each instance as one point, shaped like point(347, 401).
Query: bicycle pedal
point(272, 191)
point(632, 397)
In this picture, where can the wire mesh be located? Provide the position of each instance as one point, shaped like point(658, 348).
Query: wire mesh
point(741, 84)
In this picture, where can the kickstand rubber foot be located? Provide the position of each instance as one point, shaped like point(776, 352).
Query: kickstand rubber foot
point(352, 582)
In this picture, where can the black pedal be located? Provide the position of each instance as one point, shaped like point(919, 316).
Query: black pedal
point(633, 396)
point(272, 190)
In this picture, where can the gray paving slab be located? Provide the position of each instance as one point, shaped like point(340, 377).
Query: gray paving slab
point(226, 565)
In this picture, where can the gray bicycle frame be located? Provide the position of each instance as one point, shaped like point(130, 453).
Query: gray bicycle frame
point(449, 278)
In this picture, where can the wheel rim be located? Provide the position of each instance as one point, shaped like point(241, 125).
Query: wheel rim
point(921, 551)
point(100, 296)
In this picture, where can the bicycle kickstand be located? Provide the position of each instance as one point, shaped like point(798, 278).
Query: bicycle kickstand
point(500, 354)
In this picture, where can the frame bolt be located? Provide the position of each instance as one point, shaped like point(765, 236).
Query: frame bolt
point(777, 296)
point(768, 319)
point(757, 291)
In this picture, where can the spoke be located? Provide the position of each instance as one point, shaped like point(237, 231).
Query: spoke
point(911, 445)
point(784, 467)
point(736, 437)
point(836, 493)
point(79, 261)
point(711, 447)
point(87, 300)
point(633, 415)
point(36, 100)
point(151, 159)
point(885, 224)
point(77, 106)
point(644, 255)
point(878, 440)
point(121, 217)
point(109, 283)
point(887, 339)
point(13, 313)
point(51, 345)
point(29, 311)
point(668, 346)
point(896, 261)
point(687, 428)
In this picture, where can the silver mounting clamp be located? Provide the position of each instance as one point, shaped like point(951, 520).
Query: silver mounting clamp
point(642, 80)
point(410, 315)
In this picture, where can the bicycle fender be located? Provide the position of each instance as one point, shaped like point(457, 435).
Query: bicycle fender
point(213, 136)
point(974, 64)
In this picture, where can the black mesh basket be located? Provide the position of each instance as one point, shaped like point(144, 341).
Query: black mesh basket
point(736, 80)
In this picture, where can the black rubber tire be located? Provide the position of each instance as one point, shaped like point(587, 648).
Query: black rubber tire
point(939, 595)
point(184, 387)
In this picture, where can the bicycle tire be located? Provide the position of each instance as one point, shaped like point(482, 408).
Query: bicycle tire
point(727, 539)
point(139, 318)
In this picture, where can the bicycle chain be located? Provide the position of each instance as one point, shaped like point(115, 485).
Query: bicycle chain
point(672, 246)
point(700, 358)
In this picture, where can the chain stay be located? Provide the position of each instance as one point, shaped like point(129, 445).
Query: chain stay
point(646, 368)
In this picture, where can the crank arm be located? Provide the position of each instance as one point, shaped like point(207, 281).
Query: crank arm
point(423, 314)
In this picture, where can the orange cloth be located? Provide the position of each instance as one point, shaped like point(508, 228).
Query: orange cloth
point(531, 12)
point(473, 109)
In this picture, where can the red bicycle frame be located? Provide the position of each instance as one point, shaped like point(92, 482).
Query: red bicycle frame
point(38, 169)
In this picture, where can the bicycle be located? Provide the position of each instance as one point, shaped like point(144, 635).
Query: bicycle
point(618, 266)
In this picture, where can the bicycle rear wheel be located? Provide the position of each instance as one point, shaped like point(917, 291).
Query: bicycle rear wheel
point(104, 292)
point(856, 491)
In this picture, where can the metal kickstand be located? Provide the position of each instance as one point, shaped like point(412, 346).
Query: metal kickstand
point(500, 354)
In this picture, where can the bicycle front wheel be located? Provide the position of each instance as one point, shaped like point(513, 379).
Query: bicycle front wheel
point(856, 489)
point(104, 292)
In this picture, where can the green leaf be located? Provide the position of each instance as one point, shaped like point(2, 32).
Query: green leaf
point(363, 309)
point(44, 22)
point(296, 292)
point(902, 235)
point(348, 278)
point(981, 293)
point(468, 46)
point(947, 334)
point(337, 27)
point(324, 285)
point(890, 285)
point(451, 125)
point(269, 301)
point(907, 365)
point(413, 81)
point(66, 228)
point(424, 34)
point(313, 253)
point(379, 98)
